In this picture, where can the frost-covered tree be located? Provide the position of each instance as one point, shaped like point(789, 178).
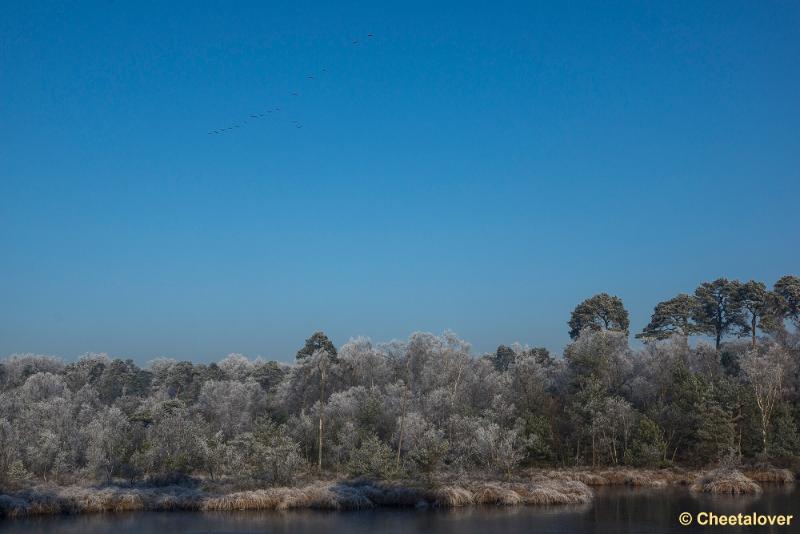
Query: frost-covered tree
point(766, 374)
point(373, 458)
point(363, 364)
point(270, 454)
point(230, 406)
point(428, 450)
point(108, 442)
point(602, 356)
point(418, 407)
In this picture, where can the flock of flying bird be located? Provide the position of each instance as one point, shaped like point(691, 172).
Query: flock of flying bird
point(265, 113)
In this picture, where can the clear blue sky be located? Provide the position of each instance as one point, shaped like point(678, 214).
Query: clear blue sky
point(480, 167)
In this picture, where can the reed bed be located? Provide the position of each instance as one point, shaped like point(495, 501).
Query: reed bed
point(771, 474)
point(76, 499)
point(725, 481)
point(553, 492)
point(349, 495)
point(532, 487)
point(650, 478)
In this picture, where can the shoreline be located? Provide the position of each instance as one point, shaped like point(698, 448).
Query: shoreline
point(533, 487)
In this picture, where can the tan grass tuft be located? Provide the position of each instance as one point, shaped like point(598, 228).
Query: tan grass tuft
point(554, 492)
point(495, 494)
point(725, 481)
point(452, 497)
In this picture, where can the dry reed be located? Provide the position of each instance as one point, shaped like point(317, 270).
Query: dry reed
point(495, 494)
point(352, 495)
point(771, 474)
point(725, 481)
point(452, 497)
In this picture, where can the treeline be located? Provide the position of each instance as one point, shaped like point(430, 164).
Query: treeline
point(427, 405)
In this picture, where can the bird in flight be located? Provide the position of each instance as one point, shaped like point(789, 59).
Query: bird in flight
point(297, 124)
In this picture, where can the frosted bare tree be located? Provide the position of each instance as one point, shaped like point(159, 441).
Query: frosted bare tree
point(766, 375)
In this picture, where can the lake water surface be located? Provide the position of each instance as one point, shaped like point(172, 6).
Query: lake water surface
point(614, 510)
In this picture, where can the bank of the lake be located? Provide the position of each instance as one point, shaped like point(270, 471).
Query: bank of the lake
point(615, 509)
point(532, 487)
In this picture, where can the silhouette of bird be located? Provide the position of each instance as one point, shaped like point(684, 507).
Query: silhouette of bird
point(297, 124)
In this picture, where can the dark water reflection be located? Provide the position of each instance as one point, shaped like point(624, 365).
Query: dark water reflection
point(614, 510)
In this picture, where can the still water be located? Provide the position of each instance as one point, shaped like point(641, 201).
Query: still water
point(614, 510)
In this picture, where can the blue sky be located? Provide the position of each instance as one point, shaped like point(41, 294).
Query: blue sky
point(481, 167)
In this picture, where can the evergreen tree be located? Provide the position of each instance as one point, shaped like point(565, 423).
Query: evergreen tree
point(716, 313)
point(671, 317)
point(752, 300)
point(504, 357)
point(600, 312)
point(788, 291)
point(648, 447)
point(784, 435)
point(317, 341)
point(716, 433)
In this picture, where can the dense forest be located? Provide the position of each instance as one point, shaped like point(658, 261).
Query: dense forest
point(716, 380)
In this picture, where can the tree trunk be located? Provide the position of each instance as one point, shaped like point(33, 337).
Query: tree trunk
point(739, 445)
point(614, 451)
point(321, 412)
point(753, 330)
point(403, 410)
point(402, 424)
